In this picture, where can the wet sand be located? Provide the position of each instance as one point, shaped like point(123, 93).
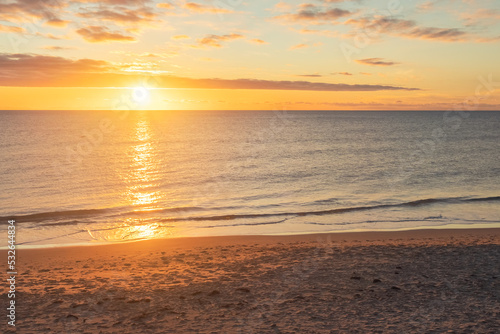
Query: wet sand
point(430, 281)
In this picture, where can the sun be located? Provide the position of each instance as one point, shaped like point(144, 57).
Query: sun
point(141, 95)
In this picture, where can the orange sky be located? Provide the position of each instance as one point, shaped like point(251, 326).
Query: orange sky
point(230, 54)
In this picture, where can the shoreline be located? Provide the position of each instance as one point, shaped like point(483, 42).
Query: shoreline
point(451, 227)
point(205, 241)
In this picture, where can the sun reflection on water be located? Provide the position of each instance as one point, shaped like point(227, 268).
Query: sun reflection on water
point(142, 191)
point(142, 194)
point(143, 171)
point(131, 230)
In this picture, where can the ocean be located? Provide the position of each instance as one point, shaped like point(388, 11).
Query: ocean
point(89, 177)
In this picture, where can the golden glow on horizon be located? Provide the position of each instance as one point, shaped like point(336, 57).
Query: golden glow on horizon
point(219, 99)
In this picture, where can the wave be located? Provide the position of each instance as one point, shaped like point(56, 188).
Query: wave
point(114, 212)
point(422, 202)
point(89, 213)
point(57, 215)
point(407, 220)
point(51, 238)
point(246, 224)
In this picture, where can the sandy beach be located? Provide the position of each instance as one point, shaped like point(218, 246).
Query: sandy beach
point(430, 281)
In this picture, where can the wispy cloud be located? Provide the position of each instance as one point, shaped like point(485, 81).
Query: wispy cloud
point(28, 10)
point(375, 62)
point(118, 2)
point(194, 7)
point(179, 37)
point(58, 23)
point(284, 85)
point(442, 34)
point(122, 16)
point(493, 39)
point(327, 33)
point(481, 16)
point(310, 75)
point(51, 36)
point(426, 6)
point(5, 28)
point(57, 48)
point(98, 34)
point(281, 7)
point(216, 40)
point(299, 46)
point(336, 1)
point(165, 5)
point(408, 29)
point(311, 14)
point(257, 41)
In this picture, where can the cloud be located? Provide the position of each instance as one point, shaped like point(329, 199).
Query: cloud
point(375, 62)
point(481, 16)
point(303, 45)
point(215, 40)
point(309, 13)
point(257, 41)
point(488, 39)
point(310, 75)
point(29, 70)
point(327, 33)
point(117, 2)
point(39, 63)
point(179, 37)
point(123, 16)
point(194, 7)
point(382, 24)
point(98, 34)
point(299, 46)
point(342, 73)
point(281, 7)
point(407, 28)
point(165, 5)
point(448, 35)
point(28, 10)
point(51, 36)
point(57, 23)
point(395, 105)
point(149, 55)
point(4, 28)
point(56, 48)
point(169, 54)
point(279, 85)
point(379, 24)
point(44, 71)
point(426, 6)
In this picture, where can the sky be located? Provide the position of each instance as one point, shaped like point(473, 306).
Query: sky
point(248, 55)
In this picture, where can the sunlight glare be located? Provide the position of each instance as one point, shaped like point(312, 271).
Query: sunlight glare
point(140, 95)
